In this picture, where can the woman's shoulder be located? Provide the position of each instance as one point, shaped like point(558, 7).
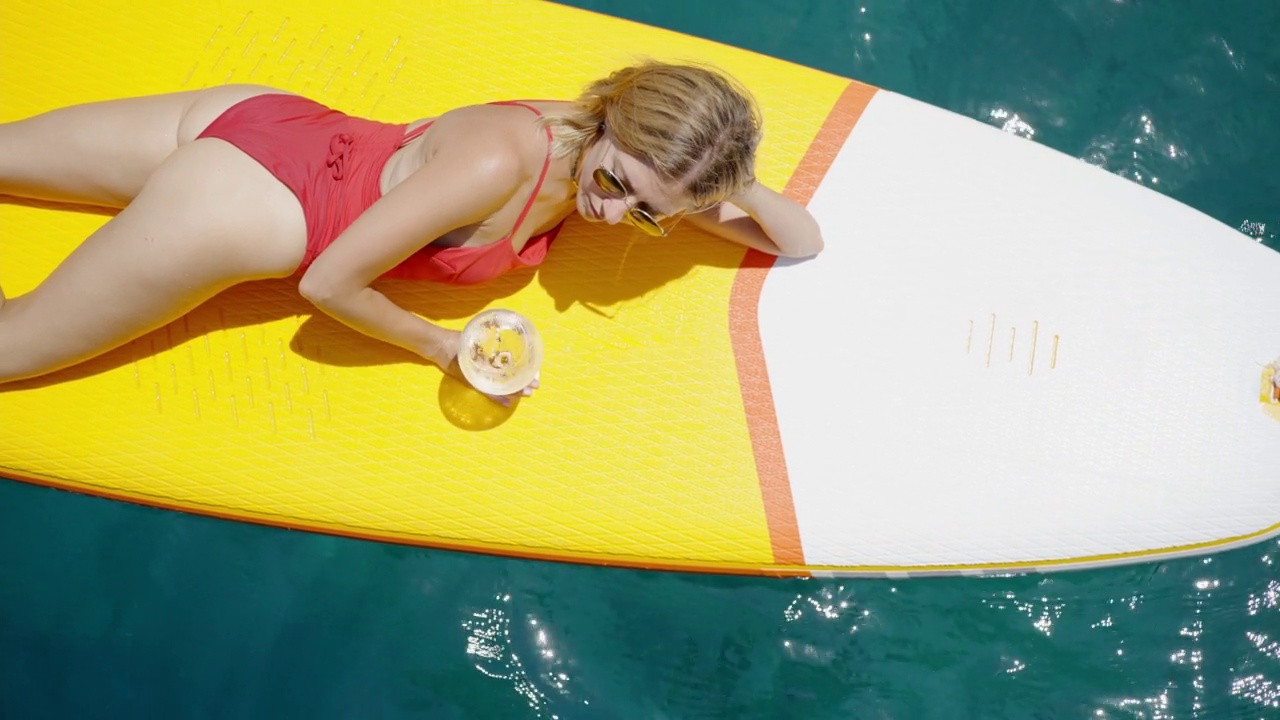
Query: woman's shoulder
point(510, 115)
point(505, 128)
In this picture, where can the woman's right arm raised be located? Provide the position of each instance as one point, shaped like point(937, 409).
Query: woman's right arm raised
point(459, 186)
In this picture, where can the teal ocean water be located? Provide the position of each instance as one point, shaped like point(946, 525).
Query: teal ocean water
point(109, 610)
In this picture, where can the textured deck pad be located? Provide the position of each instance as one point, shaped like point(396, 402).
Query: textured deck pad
point(253, 407)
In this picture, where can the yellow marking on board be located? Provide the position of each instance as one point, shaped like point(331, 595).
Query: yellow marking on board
point(1269, 394)
point(635, 447)
point(1035, 334)
point(991, 339)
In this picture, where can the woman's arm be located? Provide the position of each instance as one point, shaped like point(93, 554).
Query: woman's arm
point(462, 185)
point(764, 220)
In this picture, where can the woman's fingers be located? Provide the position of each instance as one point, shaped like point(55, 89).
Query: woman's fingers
point(505, 400)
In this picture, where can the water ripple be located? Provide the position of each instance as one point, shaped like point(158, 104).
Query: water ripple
point(491, 645)
point(1138, 148)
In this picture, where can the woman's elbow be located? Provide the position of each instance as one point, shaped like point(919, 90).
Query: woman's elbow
point(814, 246)
point(805, 247)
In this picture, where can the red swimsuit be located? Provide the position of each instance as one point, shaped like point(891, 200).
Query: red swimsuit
point(333, 164)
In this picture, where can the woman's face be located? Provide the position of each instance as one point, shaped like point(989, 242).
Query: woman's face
point(642, 188)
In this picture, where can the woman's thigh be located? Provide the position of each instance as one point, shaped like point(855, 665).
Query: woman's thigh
point(208, 218)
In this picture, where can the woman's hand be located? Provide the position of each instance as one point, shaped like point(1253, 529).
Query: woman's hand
point(446, 356)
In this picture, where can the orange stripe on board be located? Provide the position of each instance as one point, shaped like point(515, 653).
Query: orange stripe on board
point(744, 328)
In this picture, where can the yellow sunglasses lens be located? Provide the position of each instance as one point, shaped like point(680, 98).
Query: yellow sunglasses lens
point(646, 222)
point(609, 183)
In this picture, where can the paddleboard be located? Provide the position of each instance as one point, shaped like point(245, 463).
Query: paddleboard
point(1005, 360)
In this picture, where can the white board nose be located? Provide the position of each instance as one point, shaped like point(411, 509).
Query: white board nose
point(1005, 355)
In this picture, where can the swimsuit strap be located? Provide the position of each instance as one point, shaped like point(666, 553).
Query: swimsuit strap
point(546, 164)
point(414, 133)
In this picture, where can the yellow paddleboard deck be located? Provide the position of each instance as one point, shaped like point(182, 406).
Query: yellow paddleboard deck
point(255, 407)
point(1005, 359)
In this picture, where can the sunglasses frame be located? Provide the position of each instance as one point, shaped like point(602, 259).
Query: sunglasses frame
point(612, 186)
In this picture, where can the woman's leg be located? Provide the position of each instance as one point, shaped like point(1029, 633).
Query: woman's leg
point(207, 217)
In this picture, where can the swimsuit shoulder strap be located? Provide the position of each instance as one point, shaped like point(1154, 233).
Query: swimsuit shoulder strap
point(414, 133)
point(546, 164)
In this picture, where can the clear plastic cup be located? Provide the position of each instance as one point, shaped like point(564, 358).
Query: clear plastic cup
point(500, 352)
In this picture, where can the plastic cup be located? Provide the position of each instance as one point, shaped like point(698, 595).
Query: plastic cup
point(500, 352)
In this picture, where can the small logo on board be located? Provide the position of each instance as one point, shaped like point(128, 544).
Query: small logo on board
point(1269, 391)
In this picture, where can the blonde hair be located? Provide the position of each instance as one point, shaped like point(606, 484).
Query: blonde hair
point(695, 126)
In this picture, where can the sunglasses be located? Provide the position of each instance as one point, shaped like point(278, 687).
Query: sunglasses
point(613, 187)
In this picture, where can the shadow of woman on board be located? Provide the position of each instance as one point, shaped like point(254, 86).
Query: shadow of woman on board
point(597, 266)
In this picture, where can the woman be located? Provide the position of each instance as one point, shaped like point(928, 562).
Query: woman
point(241, 182)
